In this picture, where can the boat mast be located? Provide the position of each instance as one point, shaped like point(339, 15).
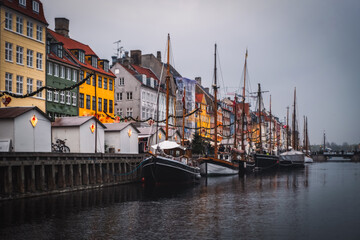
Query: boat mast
point(215, 107)
point(259, 112)
point(270, 146)
point(287, 129)
point(235, 122)
point(243, 109)
point(294, 137)
point(167, 90)
point(183, 117)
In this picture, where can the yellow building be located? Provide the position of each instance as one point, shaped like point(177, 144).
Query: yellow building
point(22, 52)
point(96, 95)
point(203, 118)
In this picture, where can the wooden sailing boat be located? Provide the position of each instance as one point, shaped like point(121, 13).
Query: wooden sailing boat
point(161, 168)
point(214, 166)
point(293, 158)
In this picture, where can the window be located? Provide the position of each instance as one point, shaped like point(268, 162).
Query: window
point(8, 20)
point(62, 71)
point(39, 33)
point(106, 66)
point(19, 84)
point(117, 71)
point(19, 55)
point(81, 56)
point(68, 73)
point(74, 98)
point(75, 75)
point(50, 68)
point(129, 95)
point(29, 85)
point(94, 103)
point(110, 106)
point(143, 113)
point(8, 51)
point(99, 82)
point(68, 97)
point(8, 82)
point(81, 100)
point(105, 105)
point(56, 70)
point(35, 6)
point(56, 96)
point(93, 80)
point(29, 29)
point(99, 104)
point(59, 51)
point(39, 61)
point(87, 101)
point(110, 84)
point(19, 24)
point(38, 86)
point(49, 95)
point(62, 97)
point(29, 58)
point(94, 61)
point(88, 81)
point(81, 75)
point(22, 2)
point(118, 96)
point(105, 83)
point(121, 81)
point(129, 112)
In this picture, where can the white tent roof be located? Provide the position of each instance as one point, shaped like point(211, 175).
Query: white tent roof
point(292, 152)
point(167, 145)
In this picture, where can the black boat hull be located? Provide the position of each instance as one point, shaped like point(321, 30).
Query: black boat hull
point(260, 162)
point(162, 170)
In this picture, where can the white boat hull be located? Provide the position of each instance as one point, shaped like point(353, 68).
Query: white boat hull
point(211, 169)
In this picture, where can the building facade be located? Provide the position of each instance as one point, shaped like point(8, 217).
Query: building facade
point(61, 72)
point(22, 55)
point(96, 95)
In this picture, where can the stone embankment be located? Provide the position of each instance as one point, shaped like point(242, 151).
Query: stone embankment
point(34, 174)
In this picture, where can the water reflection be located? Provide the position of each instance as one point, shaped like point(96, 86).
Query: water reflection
point(301, 204)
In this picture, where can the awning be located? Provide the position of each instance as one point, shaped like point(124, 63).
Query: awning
point(167, 145)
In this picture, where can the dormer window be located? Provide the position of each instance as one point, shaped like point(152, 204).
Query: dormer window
point(59, 51)
point(81, 56)
point(106, 66)
point(94, 61)
point(22, 3)
point(35, 6)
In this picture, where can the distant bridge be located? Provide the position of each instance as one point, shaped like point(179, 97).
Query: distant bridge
point(321, 157)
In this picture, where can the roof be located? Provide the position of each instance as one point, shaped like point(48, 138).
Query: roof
point(71, 44)
point(111, 127)
point(199, 97)
point(148, 130)
point(13, 112)
point(74, 121)
point(28, 11)
point(145, 71)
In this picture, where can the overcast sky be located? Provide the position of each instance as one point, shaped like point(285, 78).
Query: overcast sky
point(313, 45)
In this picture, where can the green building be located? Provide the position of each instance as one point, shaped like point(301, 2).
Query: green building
point(61, 71)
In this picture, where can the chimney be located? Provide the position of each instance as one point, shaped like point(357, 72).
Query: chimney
point(126, 54)
point(114, 60)
point(136, 56)
point(198, 80)
point(62, 26)
point(158, 56)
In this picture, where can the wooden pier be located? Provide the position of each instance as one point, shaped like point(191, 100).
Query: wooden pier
point(35, 174)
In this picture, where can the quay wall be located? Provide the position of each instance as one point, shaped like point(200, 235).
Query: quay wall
point(35, 174)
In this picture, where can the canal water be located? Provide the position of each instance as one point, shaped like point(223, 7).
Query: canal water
point(321, 201)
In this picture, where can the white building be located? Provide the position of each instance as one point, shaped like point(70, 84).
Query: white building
point(79, 133)
point(121, 138)
point(148, 136)
point(27, 129)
